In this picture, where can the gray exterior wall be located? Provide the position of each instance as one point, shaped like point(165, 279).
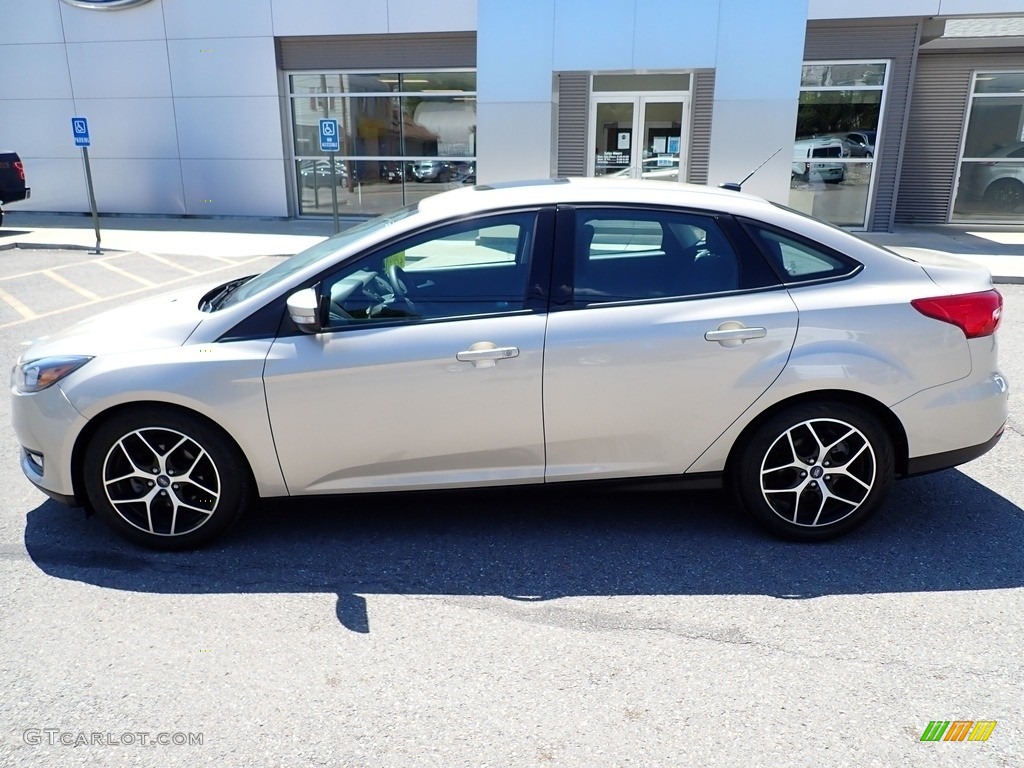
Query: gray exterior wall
point(383, 52)
point(942, 89)
point(897, 41)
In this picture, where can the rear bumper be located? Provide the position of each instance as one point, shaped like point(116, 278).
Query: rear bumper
point(922, 465)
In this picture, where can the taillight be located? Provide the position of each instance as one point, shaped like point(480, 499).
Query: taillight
point(976, 314)
point(20, 168)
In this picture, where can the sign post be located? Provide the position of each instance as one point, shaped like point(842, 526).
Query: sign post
point(80, 130)
point(330, 143)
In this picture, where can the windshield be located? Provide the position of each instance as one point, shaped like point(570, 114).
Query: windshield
point(303, 259)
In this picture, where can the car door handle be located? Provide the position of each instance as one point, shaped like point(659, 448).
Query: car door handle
point(485, 354)
point(732, 334)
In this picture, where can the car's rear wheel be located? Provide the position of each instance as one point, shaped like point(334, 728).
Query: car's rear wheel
point(165, 479)
point(1005, 194)
point(814, 472)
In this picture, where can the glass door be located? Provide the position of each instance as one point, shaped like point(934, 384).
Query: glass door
point(639, 136)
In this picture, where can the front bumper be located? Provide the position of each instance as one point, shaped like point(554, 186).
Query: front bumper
point(47, 426)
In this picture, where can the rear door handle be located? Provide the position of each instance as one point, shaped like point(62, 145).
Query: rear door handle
point(732, 334)
point(484, 354)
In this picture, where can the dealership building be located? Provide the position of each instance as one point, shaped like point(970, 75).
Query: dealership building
point(870, 115)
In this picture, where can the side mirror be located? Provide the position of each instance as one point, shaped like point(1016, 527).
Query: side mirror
point(304, 310)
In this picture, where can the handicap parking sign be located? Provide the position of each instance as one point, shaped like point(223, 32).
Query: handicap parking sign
point(80, 130)
point(329, 141)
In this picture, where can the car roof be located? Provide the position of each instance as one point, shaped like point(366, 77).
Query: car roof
point(609, 190)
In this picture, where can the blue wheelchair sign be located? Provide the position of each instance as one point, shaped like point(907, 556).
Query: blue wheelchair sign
point(329, 141)
point(80, 130)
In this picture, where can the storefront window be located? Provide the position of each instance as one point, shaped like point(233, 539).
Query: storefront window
point(991, 179)
point(402, 137)
point(835, 146)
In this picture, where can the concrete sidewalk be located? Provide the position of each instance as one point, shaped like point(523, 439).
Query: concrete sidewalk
point(998, 248)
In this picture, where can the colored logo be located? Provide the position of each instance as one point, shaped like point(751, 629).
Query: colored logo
point(958, 730)
point(105, 5)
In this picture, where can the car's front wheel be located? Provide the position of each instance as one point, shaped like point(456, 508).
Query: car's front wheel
point(814, 472)
point(164, 478)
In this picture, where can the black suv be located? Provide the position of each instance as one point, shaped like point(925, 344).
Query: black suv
point(12, 180)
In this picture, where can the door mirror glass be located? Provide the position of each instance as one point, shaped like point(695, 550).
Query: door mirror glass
point(304, 310)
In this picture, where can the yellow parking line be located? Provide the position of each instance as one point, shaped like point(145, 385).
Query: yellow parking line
point(62, 266)
point(68, 284)
point(125, 273)
point(18, 307)
point(170, 263)
point(28, 314)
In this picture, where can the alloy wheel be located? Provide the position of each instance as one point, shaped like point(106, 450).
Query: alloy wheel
point(818, 472)
point(161, 481)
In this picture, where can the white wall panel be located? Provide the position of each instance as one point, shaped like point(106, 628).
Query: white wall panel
point(979, 7)
point(419, 16)
point(137, 186)
point(42, 72)
point(218, 18)
point(30, 22)
point(592, 34)
point(746, 67)
point(670, 35)
point(243, 127)
point(330, 17)
point(234, 188)
point(128, 128)
point(514, 141)
point(86, 25)
point(43, 128)
point(122, 186)
point(58, 184)
point(119, 69)
point(514, 51)
point(745, 134)
point(214, 67)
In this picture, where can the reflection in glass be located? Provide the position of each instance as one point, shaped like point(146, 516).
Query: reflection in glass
point(991, 177)
point(849, 74)
point(402, 137)
point(842, 202)
point(614, 140)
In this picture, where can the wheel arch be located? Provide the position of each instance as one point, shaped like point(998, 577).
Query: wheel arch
point(86, 435)
point(888, 420)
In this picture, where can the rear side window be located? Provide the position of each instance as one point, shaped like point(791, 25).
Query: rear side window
point(634, 255)
point(797, 260)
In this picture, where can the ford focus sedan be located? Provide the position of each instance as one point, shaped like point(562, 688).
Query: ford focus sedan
point(528, 333)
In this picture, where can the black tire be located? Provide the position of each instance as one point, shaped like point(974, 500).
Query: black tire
point(1005, 194)
point(779, 476)
point(134, 465)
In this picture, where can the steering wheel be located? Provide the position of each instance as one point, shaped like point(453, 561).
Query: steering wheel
point(398, 279)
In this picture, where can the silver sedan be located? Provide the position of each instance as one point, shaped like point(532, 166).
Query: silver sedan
point(547, 332)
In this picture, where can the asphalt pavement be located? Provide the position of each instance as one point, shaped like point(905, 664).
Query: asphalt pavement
point(998, 248)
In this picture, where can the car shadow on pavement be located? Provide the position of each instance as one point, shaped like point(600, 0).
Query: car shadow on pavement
point(936, 533)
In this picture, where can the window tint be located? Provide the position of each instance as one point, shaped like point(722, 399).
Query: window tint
point(635, 255)
point(470, 268)
point(797, 259)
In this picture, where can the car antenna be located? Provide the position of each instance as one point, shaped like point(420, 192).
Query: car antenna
point(739, 187)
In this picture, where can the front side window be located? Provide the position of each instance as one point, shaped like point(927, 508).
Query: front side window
point(473, 268)
point(648, 255)
point(991, 179)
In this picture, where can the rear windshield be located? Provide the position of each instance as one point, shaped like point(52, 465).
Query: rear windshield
point(835, 151)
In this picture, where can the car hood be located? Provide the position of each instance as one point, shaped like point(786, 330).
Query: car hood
point(162, 321)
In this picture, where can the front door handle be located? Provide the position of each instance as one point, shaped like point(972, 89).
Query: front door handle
point(732, 334)
point(484, 354)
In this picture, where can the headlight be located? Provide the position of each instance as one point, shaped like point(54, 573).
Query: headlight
point(37, 375)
